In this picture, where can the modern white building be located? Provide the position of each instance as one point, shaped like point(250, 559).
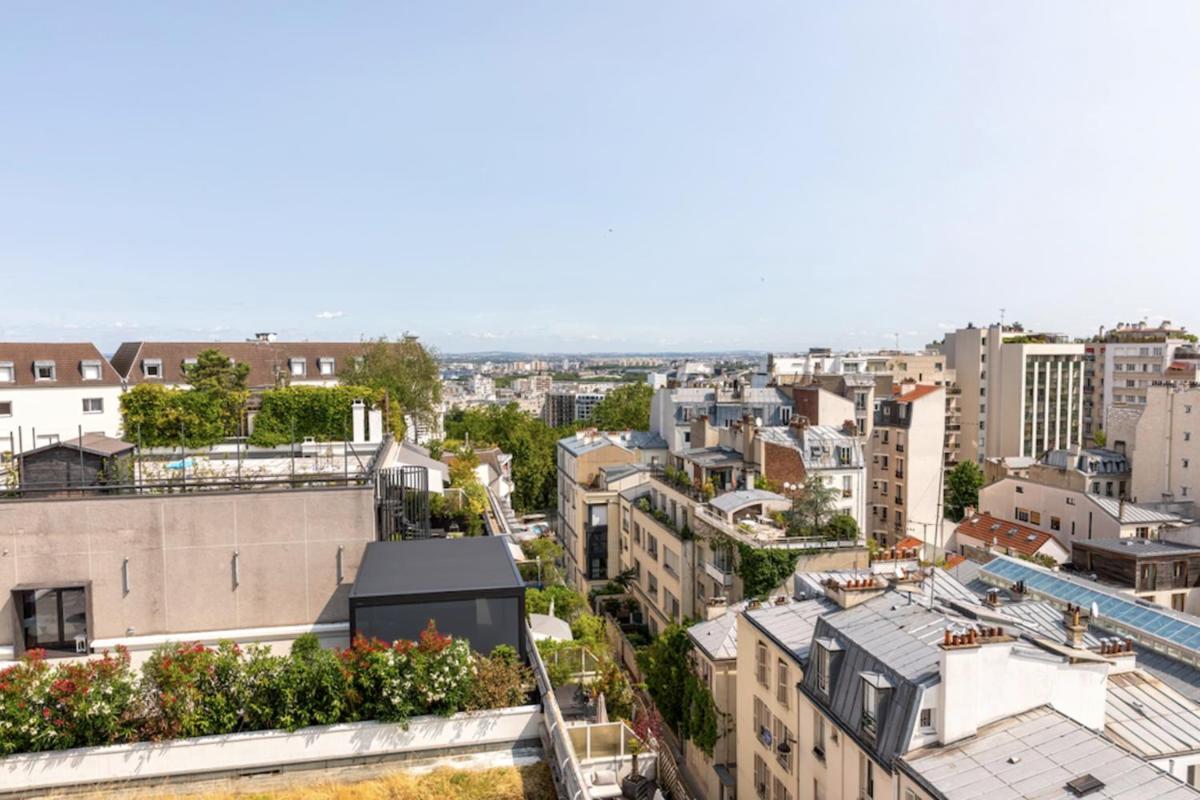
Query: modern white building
point(49, 392)
point(1022, 393)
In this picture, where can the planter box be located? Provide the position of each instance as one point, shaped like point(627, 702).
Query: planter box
point(249, 752)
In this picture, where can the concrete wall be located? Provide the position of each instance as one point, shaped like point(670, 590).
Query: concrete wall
point(180, 551)
point(242, 752)
point(1166, 461)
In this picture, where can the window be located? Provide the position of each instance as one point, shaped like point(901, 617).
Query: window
point(54, 619)
point(93, 405)
point(870, 709)
point(926, 719)
point(1177, 601)
point(781, 682)
point(760, 665)
point(5, 408)
point(1035, 517)
point(822, 669)
point(327, 367)
point(7, 374)
point(781, 792)
point(847, 485)
point(152, 367)
point(785, 415)
point(651, 545)
point(1055, 524)
point(190, 362)
point(760, 776)
point(652, 587)
point(90, 370)
point(298, 366)
point(818, 734)
point(1022, 515)
point(43, 371)
point(868, 776)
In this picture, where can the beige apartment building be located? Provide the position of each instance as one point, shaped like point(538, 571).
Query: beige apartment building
point(1022, 393)
point(1165, 447)
point(906, 464)
point(714, 777)
point(681, 531)
point(593, 467)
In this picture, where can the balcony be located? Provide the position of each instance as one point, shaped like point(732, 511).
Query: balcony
point(719, 574)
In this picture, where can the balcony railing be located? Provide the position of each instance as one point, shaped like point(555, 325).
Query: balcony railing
point(719, 574)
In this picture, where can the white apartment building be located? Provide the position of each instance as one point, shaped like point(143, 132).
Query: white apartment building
point(1022, 393)
point(49, 392)
point(1123, 363)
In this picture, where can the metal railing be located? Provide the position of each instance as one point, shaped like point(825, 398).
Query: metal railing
point(564, 765)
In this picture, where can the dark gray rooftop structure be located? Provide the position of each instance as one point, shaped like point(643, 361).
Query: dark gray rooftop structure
point(1139, 548)
point(470, 588)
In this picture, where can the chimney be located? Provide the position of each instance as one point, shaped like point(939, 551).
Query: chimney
point(993, 598)
point(1076, 626)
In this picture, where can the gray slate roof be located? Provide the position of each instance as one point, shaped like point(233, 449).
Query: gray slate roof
point(1149, 718)
point(732, 501)
point(817, 444)
point(436, 566)
point(791, 626)
point(1034, 755)
point(628, 440)
point(1131, 512)
point(1143, 548)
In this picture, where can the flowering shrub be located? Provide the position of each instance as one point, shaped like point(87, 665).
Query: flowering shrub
point(187, 689)
point(48, 708)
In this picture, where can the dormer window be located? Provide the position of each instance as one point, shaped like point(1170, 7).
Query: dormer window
point(44, 371)
point(298, 367)
point(152, 367)
point(7, 373)
point(326, 366)
point(874, 692)
point(190, 362)
point(90, 370)
point(824, 654)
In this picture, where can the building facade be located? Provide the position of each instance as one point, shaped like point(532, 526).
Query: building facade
point(906, 461)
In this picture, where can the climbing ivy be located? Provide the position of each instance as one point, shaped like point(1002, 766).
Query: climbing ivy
point(684, 701)
point(293, 413)
point(762, 569)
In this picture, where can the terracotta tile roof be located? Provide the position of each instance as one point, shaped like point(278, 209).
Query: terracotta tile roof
point(909, 543)
point(266, 359)
point(68, 364)
point(915, 393)
point(1012, 536)
point(953, 560)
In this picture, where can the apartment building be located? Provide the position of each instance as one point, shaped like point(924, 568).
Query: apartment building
point(687, 526)
point(715, 662)
point(272, 362)
point(51, 392)
point(673, 410)
point(979, 536)
point(1022, 393)
point(593, 467)
point(906, 451)
point(1094, 470)
point(1165, 446)
point(1071, 515)
point(1122, 363)
point(773, 644)
point(1163, 572)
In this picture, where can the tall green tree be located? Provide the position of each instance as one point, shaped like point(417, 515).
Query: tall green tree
point(962, 488)
point(624, 408)
point(215, 374)
point(407, 371)
point(683, 701)
point(813, 508)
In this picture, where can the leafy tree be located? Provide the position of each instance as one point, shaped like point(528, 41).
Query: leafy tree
point(409, 374)
point(531, 442)
point(686, 704)
point(962, 488)
point(463, 476)
point(813, 508)
point(567, 602)
point(624, 408)
point(1100, 437)
point(842, 527)
point(215, 374)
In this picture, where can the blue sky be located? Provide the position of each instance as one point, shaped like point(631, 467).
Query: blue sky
point(595, 176)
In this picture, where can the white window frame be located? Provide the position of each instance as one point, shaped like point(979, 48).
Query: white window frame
point(324, 362)
point(302, 363)
point(93, 400)
point(4, 403)
point(152, 363)
point(90, 363)
point(8, 374)
point(38, 366)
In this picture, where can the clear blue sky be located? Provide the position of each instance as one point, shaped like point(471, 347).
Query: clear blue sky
point(596, 175)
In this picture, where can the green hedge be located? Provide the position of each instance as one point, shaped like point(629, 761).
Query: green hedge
point(156, 416)
point(293, 413)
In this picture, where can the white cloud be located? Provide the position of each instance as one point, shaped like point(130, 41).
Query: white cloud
point(328, 314)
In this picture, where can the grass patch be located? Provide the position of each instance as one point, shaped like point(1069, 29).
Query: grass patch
point(531, 782)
